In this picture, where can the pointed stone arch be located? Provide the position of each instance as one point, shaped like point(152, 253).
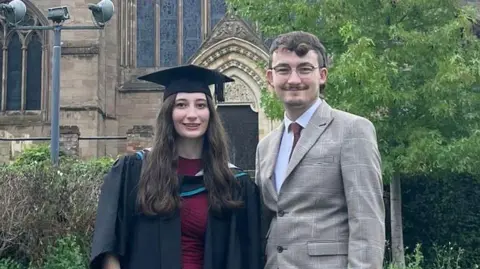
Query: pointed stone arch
point(241, 60)
point(34, 17)
point(33, 9)
point(240, 91)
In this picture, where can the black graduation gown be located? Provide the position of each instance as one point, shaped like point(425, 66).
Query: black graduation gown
point(232, 240)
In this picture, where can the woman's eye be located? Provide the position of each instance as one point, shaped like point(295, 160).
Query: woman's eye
point(180, 105)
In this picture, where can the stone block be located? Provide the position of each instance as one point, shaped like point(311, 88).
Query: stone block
point(69, 143)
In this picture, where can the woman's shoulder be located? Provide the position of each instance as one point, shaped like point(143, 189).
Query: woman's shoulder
point(238, 172)
point(126, 168)
point(129, 158)
point(242, 177)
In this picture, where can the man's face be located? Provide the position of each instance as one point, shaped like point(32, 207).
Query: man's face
point(296, 80)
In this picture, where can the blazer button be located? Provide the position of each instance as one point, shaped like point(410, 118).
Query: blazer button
point(281, 213)
point(280, 249)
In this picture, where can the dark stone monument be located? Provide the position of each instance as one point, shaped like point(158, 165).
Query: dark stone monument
point(241, 125)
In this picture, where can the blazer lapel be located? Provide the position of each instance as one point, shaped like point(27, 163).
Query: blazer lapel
point(271, 159)
point(312, 132)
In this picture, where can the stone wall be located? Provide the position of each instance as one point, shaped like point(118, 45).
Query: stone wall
point(139, 137)
point(137, 108)
point(10, 149)
point(89, 77)
point(88, 122)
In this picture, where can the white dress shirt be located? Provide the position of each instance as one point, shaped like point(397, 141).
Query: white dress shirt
point(286, 143)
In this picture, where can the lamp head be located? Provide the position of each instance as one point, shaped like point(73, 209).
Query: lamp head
point(58, 14)
point(14, 11)
point(102, 12)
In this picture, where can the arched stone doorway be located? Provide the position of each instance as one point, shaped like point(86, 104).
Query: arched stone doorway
point(239, 59)
point(244, 120)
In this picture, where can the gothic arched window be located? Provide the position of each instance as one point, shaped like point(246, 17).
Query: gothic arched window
point(169, 32)
point(192, 28)
point(145, 33)
point(21, 68)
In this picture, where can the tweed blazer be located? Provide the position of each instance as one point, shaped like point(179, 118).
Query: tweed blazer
point(329, 212)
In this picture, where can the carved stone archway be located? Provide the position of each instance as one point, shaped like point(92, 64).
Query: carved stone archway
point(239, 59)
point(241, 92)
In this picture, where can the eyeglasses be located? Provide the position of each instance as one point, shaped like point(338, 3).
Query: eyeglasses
point(302, 71)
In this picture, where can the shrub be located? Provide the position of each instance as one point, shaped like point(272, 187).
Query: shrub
point(68, 253)
point(8, 263)
point(39, 153)
point(445, 257)
point(40, 204)
point(413, 260)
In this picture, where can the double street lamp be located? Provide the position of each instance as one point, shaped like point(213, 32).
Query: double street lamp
point(15, 11)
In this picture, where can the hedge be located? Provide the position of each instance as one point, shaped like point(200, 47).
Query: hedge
point(47, 213)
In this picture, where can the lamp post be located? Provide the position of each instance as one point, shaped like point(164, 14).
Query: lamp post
point(14, 13)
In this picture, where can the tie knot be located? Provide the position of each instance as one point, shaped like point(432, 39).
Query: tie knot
point(296, 128)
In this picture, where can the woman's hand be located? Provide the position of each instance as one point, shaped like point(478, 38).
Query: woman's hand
point(111, 262)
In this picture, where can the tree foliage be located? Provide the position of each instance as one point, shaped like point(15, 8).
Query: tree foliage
point(410, 66)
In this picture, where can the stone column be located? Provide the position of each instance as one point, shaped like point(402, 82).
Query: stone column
point(5, 148)
point(69, 143)
point(139, 137)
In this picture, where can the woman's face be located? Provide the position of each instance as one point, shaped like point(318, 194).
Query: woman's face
point(191, 115)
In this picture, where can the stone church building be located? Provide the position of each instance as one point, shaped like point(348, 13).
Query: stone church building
point(100, 96)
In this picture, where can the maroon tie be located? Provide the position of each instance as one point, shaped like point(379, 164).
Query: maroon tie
point(296, 129)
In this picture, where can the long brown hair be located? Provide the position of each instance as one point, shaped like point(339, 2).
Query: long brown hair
point(158, 190)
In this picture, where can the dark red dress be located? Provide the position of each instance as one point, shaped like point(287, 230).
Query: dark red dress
point(193, 215)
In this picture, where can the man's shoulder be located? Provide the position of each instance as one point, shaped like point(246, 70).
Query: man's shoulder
point(349, 119)
point(265, 141)
point(349, 124)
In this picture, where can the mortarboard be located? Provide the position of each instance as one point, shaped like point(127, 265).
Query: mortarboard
point(189, 78)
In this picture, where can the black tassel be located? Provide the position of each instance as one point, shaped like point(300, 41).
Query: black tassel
point(219, 92)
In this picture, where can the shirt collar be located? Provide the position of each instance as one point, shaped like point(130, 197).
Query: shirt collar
point(305, 117)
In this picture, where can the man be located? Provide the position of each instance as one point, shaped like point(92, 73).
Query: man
point(319, 172)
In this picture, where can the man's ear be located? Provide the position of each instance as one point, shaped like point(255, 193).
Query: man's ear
point(269, 74)
point(323, 75)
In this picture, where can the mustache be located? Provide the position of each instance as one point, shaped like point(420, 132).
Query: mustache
point(288, 87)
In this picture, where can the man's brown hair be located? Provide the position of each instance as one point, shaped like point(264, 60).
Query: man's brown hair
point(301, 43)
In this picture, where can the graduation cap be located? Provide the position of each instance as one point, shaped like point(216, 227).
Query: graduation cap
point(189, 78)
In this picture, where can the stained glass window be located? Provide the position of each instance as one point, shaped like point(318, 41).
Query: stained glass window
point(19, 95)
point(34, 74)
point(218, 8)
point(192, 27)
point(145, 33)
point(14, 76)
point(168, 33)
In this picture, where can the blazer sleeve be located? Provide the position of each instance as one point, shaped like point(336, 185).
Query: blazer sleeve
point(266, 214)
point(106, 239)
point(362, 179)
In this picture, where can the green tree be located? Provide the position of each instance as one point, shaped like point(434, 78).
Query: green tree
point(410, 66)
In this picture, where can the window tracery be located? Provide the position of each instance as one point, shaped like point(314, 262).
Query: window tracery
point(21, 68)
point(169, 32)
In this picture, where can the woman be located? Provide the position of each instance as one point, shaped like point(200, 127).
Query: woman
point(180, 205)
